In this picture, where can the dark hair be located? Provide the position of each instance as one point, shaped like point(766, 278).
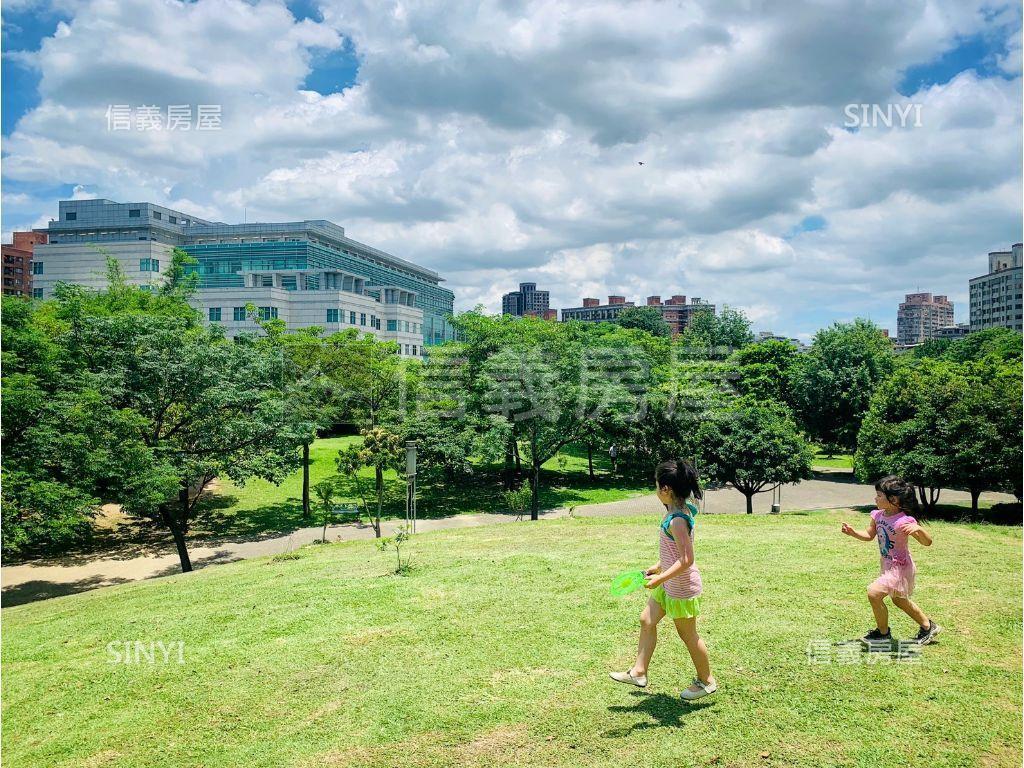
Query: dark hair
point(900, 492)
point(681, 477)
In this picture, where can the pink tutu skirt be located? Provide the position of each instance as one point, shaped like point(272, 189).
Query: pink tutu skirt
point(896, 580)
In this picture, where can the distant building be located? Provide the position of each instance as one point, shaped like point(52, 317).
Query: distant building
point(769, 336)
point(17, 260)
point(526, 301)
point(996, 297)
point(593, 311)
point(953, 332)
point(306, 273)
point(676, 312)
point(920, 316)
point(547, 314)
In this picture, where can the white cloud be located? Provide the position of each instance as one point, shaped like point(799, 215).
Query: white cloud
point(502, 141)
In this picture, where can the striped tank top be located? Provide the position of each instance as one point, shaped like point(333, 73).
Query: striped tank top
point(686, 584)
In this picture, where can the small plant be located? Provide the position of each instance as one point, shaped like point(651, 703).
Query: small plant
point(517, 500)
point(402, 535)
point(562, 461)
point(285, 556)
point(325, 491)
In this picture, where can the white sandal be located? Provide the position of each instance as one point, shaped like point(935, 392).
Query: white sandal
point(627, 678)
point(703, 689)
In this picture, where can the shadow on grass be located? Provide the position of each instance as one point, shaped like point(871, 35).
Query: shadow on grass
point(661, 709)
point(40, 589)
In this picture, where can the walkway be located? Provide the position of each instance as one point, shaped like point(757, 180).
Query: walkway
point(38, 581)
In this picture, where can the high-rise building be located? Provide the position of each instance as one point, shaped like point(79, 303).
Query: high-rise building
point(17, 260)
point(526, 301)
point(307, 273)
point(676, 312)
point(920, 316)
point(996, 298)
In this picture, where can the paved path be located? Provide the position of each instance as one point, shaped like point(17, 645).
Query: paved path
point(37, 581)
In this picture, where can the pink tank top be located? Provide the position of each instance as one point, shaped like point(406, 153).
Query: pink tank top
point(686, 584)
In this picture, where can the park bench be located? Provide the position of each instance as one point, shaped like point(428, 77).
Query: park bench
point(347, 512)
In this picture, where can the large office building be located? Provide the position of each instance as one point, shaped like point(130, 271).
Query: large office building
point(306, 273)
point(675, 311)
point(17, 262)
point(920, 316)
point(526, 301)
point(996, 298)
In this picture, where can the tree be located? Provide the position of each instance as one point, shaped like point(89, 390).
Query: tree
point(367, 377)
point(832, 384)
point(645, 319)
point(382, 450)
point(753, 447)
point(326, 490)
point(939, 425)
point(717, 336)
point(763, 370)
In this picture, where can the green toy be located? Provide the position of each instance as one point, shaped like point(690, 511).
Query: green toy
point(627, 582)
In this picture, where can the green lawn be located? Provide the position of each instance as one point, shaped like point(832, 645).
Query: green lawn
point(836, 461)
point(259, 507)
point(494, 651)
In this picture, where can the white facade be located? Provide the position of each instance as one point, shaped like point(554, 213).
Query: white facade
point(393, 317)
point(142, 261)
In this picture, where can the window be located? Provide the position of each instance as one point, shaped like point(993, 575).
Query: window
point(362, 318)
point(414, 349)
point(154, 265)
point(407, 349)
point(157, 215)
point(332, 316)
point(392, 325)
point(373, 321)
point(406, 326)
point(37, 293)
point(268, 281)
point(37, 267)
point(172, 219)
point(352, 318)
point(134, 213)
point(70, 216)
point(239, 314)
point(214, 314)
point(268, 313)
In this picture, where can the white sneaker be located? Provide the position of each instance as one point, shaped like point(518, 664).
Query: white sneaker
point(628, 678)
point(703, 689)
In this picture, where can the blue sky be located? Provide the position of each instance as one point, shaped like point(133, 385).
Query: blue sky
point(501, 143)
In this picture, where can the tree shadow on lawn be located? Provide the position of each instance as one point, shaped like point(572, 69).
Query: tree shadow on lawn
point(664, 710)
point(40, 589)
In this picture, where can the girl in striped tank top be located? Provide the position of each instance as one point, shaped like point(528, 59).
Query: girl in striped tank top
point(675, 581)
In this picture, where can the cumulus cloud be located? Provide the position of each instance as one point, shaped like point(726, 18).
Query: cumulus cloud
point(596, 148)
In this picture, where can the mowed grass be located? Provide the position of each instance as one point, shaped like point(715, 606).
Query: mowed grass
point(495, 649)
point(262, 508)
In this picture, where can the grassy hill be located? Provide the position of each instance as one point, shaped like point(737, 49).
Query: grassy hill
point(495, 649)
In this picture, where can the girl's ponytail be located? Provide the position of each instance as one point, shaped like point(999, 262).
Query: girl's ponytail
point(681, 477)
point(898, 490)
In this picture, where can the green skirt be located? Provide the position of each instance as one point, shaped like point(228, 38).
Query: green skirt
point(676, 607)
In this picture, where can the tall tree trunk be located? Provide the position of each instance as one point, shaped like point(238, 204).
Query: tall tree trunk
point(380, 499)
point(975, 493)
point(535, 491)
point(519, 461)
point(750, 501)
point(590, 460)
point(508, 471)
point(176, 527)
point(306, 514)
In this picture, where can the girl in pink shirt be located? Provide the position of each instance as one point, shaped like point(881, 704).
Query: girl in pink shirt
point(674, 582)
point(893, 525)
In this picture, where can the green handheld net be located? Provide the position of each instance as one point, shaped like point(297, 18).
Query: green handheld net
point(627, 582)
